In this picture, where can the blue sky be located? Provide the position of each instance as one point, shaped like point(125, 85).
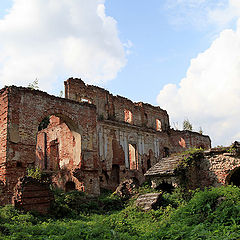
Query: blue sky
point(161, 51)
point(183, 55)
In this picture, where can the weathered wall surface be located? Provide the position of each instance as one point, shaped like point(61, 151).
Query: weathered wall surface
point(55, 147)
point(180, 140)
point(3, 131)
point(3, 141)
point(132, 137)
point(27, 108)
point(111, 107)
point(33, 195)
point(214, 167)
point(217, 168)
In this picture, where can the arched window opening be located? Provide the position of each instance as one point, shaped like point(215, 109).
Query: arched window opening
point(165, 187)
point(234, 177)
point(158, 125)
point(70, 186)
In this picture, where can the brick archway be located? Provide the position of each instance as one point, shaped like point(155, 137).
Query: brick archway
point(65, 116)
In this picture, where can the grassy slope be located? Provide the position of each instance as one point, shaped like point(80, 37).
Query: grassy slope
point(208, 214)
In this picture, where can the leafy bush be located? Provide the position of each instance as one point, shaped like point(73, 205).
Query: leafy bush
point(71, 204)
point(210, 214)
point(35, 173)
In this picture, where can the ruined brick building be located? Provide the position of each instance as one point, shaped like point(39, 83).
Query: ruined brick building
point(212, 167)
point(93, 141)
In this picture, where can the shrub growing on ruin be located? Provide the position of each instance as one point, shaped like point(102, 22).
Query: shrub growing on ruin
point(187, 125)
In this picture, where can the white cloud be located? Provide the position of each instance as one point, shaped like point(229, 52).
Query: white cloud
point(209, 95)
point(224, 15)
point(202, 14)
point(53, 39)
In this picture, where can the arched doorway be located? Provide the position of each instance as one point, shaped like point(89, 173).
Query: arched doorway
point(165, 187)
point(233, 177)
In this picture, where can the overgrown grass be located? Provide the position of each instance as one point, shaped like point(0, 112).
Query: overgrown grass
point(210, 214)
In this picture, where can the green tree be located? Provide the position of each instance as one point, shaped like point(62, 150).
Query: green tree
point(187, 125)
point(34, 85)
point(60, 94)
point(44, 123)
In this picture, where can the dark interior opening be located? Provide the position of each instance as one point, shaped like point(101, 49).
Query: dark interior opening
point(19, 164)
point(235, 178)
point(70, 186)
point(166, 152)
point(136, 181)
point(165, 187)
point(105, 175)
point(115, 173)
point(149, 164)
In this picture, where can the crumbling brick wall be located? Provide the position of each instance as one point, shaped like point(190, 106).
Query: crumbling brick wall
point(26, 109)
point(131, 136)
point(180, 140)
point(215, 168)
point(55, 146)
point(33, 195)
point(3, 131)
point(94, 139)
point(111, 107)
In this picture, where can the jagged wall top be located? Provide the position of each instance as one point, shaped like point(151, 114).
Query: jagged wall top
point(110, 107)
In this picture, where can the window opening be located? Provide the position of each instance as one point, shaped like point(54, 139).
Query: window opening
point(86, 100)
point(44, 123)
point(132, 156)
point(128, 116)
point(158, 125)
